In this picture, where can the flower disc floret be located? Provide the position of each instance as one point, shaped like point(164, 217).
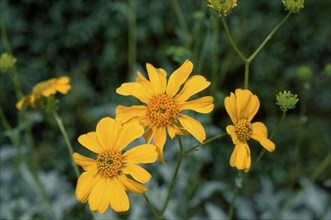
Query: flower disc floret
point(243, 129)
point(286, 100)
point(109, 163)
point(162, 110)
point(222, 6)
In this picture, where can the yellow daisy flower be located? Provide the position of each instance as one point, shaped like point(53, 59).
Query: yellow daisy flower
point(164, 104)
point(107, 178)
point(242, 107)
point(45, 89)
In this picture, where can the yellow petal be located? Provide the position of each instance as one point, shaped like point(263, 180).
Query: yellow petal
point(248, 163)
point(260, 134)
point(62, 88)
point(100, 196)
point(176, 129)
point(193, 85)
point(201, 105)
point(23, 102)
point(138, 173)
point(253, 107)
point(193, 127)
point(108, 131)
point(48, 91)
point(160, 137)
point(144, 82)
point(85, 184)
point(63, 80)
point(90, 141)
point(230, 129)
point(230, 107)
point(131, 130)
point(241, 157)
point(119, 200)
point(178, 77)
point(148, 135)
point(85, 162)
point(145, 153)
point(131, 185)
point(124, 113)
point(233, 157)
point(158, 78)
point(243, 98)
point(136, 90)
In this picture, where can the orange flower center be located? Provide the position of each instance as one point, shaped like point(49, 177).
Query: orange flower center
point(109, 163)
point(243, 129)
point(162, 110)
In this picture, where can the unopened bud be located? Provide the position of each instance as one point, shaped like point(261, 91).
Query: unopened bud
point(286, 100)
point(293, 5)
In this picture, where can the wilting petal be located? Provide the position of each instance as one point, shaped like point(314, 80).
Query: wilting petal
point(260, 134)
point(193, 127)
point(160, 137)
point(124, 113)
point(108, 130)
point(90, 141)
point(138, 173)
point(192, 86)
point(100, 196)
point(131, 185)
point(85, 184)
point(178, 77)
point(230, 107)
point(136, 90)
point(131, 130)
point(201, 105)
point(119, 200)
point(145, 153)
point(148, 135)
point(158, 78)
point(85, 162)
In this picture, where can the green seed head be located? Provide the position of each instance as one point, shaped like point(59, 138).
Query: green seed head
point(7, 61)
point(286, 100)
point(223, 7)
point(293, 5)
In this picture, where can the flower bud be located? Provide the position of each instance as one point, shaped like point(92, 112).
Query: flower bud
point(304, 72)
point(286, 100)
point(293, 5)
point(7, 61)
point(223, 7)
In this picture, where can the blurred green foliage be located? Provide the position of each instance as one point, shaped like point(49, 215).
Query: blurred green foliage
point(101, 44)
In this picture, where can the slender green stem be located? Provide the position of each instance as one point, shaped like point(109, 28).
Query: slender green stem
point(194, 148)
point(173, 180)
point(269, 37)
point(233, 43)
point(247, 63)
point(231, 209)
point(180, 17)
point(151, 207)
point(66, 139)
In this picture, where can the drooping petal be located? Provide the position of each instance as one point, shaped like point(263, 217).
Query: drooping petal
point(192, 86)
point(85, 162)
point(119, 200)
point(193, 127)
point(108, 130)
point(138, 173)
point(233, 157)
point(100, 196)
point(125, 113)
point(23, 102)
point(131, 185)
point(240, 157)
point(178, 77)
point(145, 153)
point(148, 135)
point(160, 137)
point(260, 134)
point(85, 184)
point(90, 141)
point(243, 99)
point(230, 107)
point(136, 90)
point(202, 105)
point(131, 130)
point(158, 78)
point(230, 129)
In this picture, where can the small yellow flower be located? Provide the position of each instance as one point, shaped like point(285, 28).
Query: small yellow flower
point(222, 6)
point(107, 178)
point(242, 107)
point(164, 104)
point(7, 61)
point(45, 89)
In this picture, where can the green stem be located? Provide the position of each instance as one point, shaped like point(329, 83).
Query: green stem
point(268, 37)
point(66, 139)
point(231, 209)
point(173, 180)
point(233, 43)
point(180, 17)
point(194, 148)
point(151, 207)
point(247, 63)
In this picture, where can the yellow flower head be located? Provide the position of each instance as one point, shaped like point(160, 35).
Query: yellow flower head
point(107, 178)
point(242, 107)
point(164, 104)
point(45, 89)
point(222, 6)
